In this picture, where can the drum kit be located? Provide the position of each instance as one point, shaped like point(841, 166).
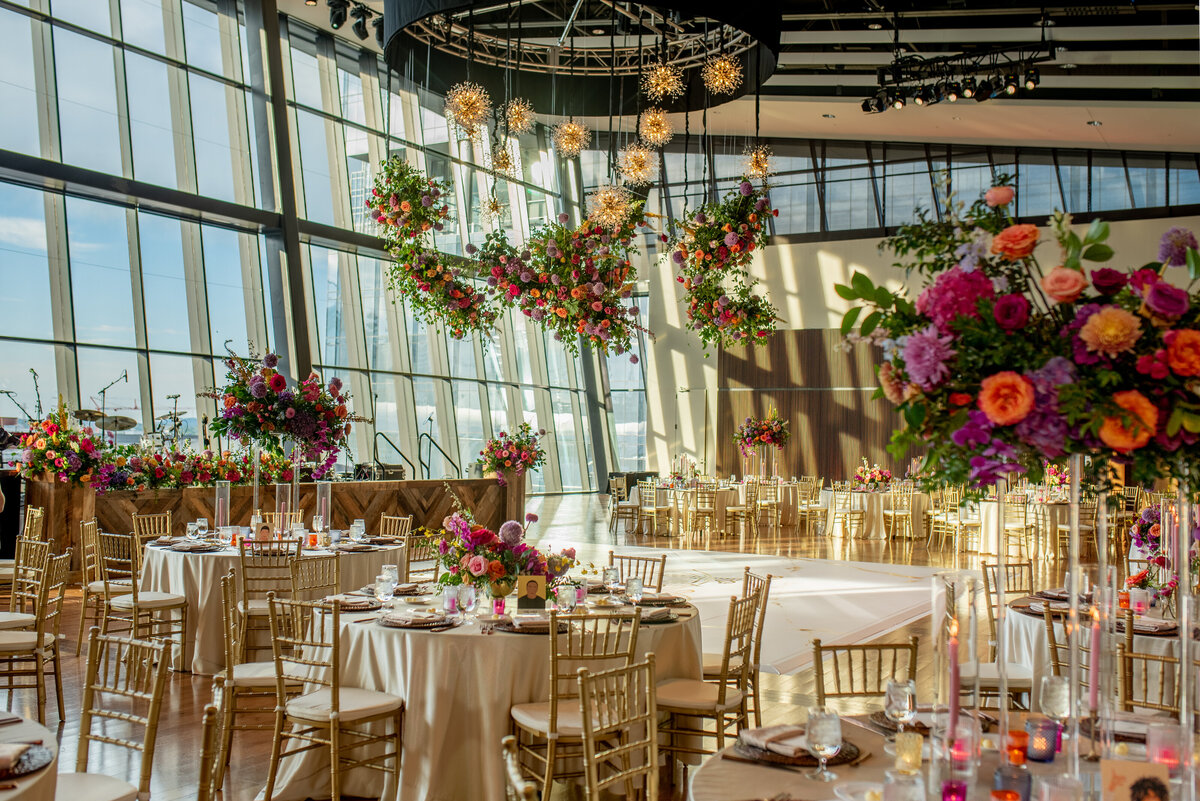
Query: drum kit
point(166, 430)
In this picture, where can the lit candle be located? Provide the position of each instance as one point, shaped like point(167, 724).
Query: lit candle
point(954, 791)
point(952, 653)
point(1043, 736)
point(1094, 667)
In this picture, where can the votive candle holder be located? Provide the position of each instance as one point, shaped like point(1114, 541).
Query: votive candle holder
point(953, 790)
point(909, 746)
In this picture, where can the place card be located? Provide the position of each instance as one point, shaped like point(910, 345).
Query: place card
point(1122, 780)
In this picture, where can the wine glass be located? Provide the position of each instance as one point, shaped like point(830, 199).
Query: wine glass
point(824, 734)
point(318, 523)
point(1055, 699)
point(634, 589)
point(900, 703)
point(202, 527)
point(612, 580)
point(467, 599)
point(384, 590)
point(191, 531)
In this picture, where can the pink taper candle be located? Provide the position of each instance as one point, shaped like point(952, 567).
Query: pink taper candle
point(952, 653)
point(1094, 667)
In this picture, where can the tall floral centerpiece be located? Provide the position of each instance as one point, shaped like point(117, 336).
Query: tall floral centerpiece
point(756, 433)
point(872, 478)
point(59, 450)
point(492, 560)
point(514, 453)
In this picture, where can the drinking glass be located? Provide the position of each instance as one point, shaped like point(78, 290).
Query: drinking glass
point(564, 596)
point(202, 527)
point(318, 523)
point(1055, 699)
point(384, 589)
point(467, 598)
point(824, 734)
point(191, 531)
point(900, 704)
point(634, 589)
point(903, 786)
point(612, 580)
point(358, 529)
point(1164, 745)
point(393, 572)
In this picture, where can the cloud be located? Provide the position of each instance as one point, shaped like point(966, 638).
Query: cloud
point(25, 233)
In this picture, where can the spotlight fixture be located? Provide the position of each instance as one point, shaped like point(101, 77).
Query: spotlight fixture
point(873, 105)
point(361, 14)
point(898, 101)
point(968, 87)
point(923, 96)
point(1033, 77)
point(983, 91)
point(378, 23)
point(310, 2)
point(337, 12)
point(1010, 84)
point(954, 91)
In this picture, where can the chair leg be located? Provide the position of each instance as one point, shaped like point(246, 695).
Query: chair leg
point(228, 702)
point(41, 690)
point(83, 610)
point(276, 747)
point(58, 690)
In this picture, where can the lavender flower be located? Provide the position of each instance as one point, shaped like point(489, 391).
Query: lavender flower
point(731, 239)
point(1173, 247)
point(925, 355)
point(746, 189)
point(510, 533)
point(271, 361)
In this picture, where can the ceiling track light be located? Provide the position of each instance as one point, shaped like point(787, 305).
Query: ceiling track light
point(378, 24)
point(954, 91)
point(1010, 84)
point(361, 15)
point(983, 91)
point(310, 2)
point(1033, 77)
point(338, 9)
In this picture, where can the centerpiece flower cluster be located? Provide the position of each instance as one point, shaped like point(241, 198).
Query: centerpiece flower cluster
point(712, 248)
point(872, 477)
point(472, 554)
point(770, 430)
point(58, 448)
point(516, 452)
point(1056, 475)
point(1001, 364)
point(258, 406)
point(130, 467)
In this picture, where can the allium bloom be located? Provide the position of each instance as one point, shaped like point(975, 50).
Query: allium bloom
point(1006, 397)
point(1143, 423)
point(1183, 351)
point(1011, 312)
point(1064, 285)
point(1164, 300)
point(270, 360)
point(1016, 241)
point(510, 533)
point(925, 355)
point(1172, 248)
point(731, 239)
point(1111, 331)
point(954, 294)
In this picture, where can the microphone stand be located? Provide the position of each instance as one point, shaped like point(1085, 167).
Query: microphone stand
point(104, 399)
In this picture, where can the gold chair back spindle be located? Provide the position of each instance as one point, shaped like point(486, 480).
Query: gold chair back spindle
point(650, 569)
point(620, 735)
point(862, 671)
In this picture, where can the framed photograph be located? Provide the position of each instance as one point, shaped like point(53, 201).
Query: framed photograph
point(531, 592)
point(1134, 781)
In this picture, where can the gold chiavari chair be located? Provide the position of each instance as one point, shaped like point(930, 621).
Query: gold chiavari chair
point(621, 508)
point(688, 703)
point(1018, 527)
point(897, 518)
point(752, 584)
point(282, 522)
point(207, 785)
point(809, 508)
point(306, 643)
point(266, 567)
point(124, 682)
point(92, 603)
point(842, 514)
point(29, 565)
point(620, 738)
point(650, 569)
point(315, 577)
point(651, 509)
point(768, 506)
point(149, 527)
point(33, 530)
point(149, 614)
point(744, 514)
point(862, 671)
point(1129, 507)
point(394, 527)
point(418, 558)
point(704, 511)
point(33, 654)
point(515, 786)
point(1147, 682)
point(1089, 509)
point(1018, 582)
point(549, 733)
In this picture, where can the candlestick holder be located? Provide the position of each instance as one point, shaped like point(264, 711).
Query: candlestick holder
point(1094, 722)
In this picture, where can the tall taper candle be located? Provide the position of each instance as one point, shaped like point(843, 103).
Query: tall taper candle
point(1094, 665)
point(952, 658)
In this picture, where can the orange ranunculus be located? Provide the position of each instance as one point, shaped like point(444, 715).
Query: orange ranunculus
point(230, 401)
point(495, 569)
point(1111, 331)
point(1015, 241)
point(1183, 351)
point(1006, 398)
point(1116, 435)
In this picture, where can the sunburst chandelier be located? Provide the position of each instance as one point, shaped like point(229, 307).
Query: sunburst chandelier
point(756, 161)
point(504, 160)
point(571, 137)
point(609, 205)
point(655, 127)
point(663, 81)
point(637, 164)
point(492, 211)
point(468, 107)
point(722, 74)
point(518, 116)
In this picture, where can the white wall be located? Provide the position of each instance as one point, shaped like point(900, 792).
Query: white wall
point(799, 280)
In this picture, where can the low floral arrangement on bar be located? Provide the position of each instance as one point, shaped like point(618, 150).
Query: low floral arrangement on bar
point(1003, 364)
point(712, 248)
point(472, 554)
point(61, 451)
point(516, 453)
point(257, 406)
point(872, 477)
point(130, 467)
point(770, 430)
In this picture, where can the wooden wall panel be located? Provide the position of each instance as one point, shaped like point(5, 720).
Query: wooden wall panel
point(824, 392)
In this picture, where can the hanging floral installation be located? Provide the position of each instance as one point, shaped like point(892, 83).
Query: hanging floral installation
point(712, 248)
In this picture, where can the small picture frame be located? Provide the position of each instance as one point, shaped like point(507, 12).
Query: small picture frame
point(1122, 780)
point(531, 592)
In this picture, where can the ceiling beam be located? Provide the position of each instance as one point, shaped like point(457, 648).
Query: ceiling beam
point(1082, 33)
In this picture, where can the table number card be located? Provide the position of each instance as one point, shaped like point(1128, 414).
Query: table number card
point(1122, 780)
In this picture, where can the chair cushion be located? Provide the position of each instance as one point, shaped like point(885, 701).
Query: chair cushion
point(536, 717)
point(14, 641)
point(255, 606)
point(6, 572)
point(691, 694)
point(355, 702)
point(120, 585)
point(254, 674)
point(149, 600)
point(1020, 677)
point(93, 787)
point(16, 620)
point(712, 665)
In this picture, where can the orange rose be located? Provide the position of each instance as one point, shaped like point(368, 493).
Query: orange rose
point(1183, 351)
point(1116, 435)
point(1064, 285)
point(1006, 398)
point(1015, 241)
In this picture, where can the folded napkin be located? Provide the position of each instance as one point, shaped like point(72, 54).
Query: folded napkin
point(788, 741)
point(403, 589)
point(412, 616)
point(1055, 606)
point(1151, 624)
point(659, 613)
point(350, 600)
point(532, 622)
point(10, 754)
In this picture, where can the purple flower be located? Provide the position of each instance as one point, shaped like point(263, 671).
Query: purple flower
point(1045, 430)
point(510, 533)
point(1167, 301)
point(633, 359)
point(1173, 247)
point(1011, 312)
point(677, 257)
point(1057, 371)
point(471, 249)
point(976, 432)
point(1079, 349)
point(746, 189)
point(563, 217)
point(700, 218)
point(271, 360)
point(426, 201)
point(731, 239)
point(925, 355)
point(1109, 281)
point(761, 204)
point(258, 389)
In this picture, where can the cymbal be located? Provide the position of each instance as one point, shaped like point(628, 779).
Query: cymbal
point(171, 416)
point(89, 415)
point(117, 422)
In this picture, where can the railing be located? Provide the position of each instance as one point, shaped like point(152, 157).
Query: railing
point(446, 456)
point(388, 440)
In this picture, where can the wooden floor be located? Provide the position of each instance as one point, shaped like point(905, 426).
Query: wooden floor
point(565, 518)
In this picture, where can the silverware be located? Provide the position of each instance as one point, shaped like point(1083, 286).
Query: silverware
point(367, 619)
point(8, 786)
point(776, 765)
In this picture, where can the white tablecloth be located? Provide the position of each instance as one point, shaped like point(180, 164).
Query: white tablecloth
point(872, 504)
point(458, 687)
point(197, 576)
point(1045, 517)
point(39, 785)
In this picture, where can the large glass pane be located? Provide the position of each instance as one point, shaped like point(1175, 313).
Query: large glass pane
point(87, 102)
point(419, 359)
point(520, 340)
point(359, 173)
point(89, 14)
point(629, 420)
point(173, 375)
point(566, 439)
point(1037, 187)
point(150, 120)
point(1110, 191)
point(1148, 176)
point(164, 283)
point(425, 403)
point(18, 92)
point(142, 24)
point(907, 185)
point(376, 305)
point(498, 408)
point(306, 78)
point(327, 307)
point(24, 267)
point(202, 36)
point(314, 167)
point(469, 417)
point(226, 297)
point(98, 367)
point(210, 132)
point(1185, 179)
point(99, 254)
point(537, 482)
point(1073, 174)
point(849, 201)
point(16, 360)
point(461, 353)
point(556, 362)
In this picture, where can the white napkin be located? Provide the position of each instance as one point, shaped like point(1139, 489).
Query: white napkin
point(10, 754)
point(660, 613)
point(349, 601)
point(789, 741)
point(1153, 624)
point(405, 588)
point(531, 621)
point(410, 617)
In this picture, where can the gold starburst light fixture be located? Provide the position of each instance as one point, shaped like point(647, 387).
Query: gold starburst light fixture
point(609, 205)
point(638, 164)
point(756, 161)
point(492, 211)
point(468, 106)
point(722, 74)
point(504, 160)
point(571, 137)
point(663, 80)
point(655, 127)
point(518, 116)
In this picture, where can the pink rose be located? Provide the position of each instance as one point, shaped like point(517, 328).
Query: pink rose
point(998, 196)
point(1064, 285)
point(478, 565)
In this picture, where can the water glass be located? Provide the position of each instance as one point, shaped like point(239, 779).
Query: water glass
point(564, 596)
point(1055, 698)
point(824, 734)
point(580, 593)
point(612, 580)
point(449, 601)
point(909, 747)
point(633, 589)
point(903, 786)
point(1060, 788)
point(358, 529)
point(384, 589)
point(467, 598)
point(900, 702)
point(392, 572)
point(1164, 745)
point(202, 527)
point(191, 531)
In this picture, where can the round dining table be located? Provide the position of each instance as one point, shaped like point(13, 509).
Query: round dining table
point(872, 505)
point(458, 686)
point(41, 783)
point(197, 577)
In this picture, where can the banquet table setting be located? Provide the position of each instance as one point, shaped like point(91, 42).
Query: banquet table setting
point(28, 760)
